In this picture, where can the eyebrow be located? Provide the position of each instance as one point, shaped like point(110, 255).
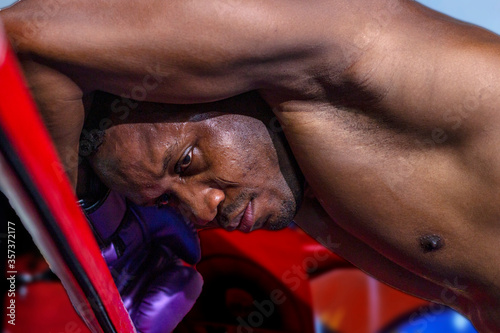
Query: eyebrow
point(169, 152)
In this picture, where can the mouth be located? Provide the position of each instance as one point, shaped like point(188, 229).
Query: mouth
point(245, 220)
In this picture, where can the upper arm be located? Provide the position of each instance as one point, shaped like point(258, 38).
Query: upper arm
point(430, 70)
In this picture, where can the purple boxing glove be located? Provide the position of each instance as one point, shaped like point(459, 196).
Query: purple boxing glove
point(149, 251)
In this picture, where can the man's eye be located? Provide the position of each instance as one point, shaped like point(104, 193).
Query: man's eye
point(163, 200)
point(184, 163)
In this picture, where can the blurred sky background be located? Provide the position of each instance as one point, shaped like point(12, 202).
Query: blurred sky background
point(485, 13)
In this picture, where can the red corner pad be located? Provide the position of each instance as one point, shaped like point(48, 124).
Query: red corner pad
point(31, 177)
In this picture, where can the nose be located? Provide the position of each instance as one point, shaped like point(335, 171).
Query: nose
point(202, 203)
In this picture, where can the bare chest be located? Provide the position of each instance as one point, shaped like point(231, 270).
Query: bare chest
point(391, 186)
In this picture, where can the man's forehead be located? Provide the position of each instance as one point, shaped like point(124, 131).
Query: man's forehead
point(141, 149)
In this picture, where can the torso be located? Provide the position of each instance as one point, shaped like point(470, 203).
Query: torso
point(387, 190)
point(403, 147)
point(420, 161)
point(392, 187)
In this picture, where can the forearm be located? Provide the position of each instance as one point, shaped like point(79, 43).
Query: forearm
point(60, 103)
point(178, 51)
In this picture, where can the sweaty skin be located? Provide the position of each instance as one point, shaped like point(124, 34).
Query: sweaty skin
point(391, 111)
point(220, 163)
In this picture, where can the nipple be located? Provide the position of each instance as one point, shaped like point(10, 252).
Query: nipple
point(430, 243)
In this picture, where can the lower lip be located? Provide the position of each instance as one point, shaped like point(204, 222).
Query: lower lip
point(247, 220)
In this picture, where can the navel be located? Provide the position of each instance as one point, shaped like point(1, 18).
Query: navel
point(430, 243)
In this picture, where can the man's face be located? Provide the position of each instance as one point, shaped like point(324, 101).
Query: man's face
point(218, 169)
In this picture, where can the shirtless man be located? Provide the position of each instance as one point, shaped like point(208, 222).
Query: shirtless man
point(389, 109)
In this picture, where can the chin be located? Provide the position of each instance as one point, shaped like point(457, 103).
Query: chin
point(278, 224)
